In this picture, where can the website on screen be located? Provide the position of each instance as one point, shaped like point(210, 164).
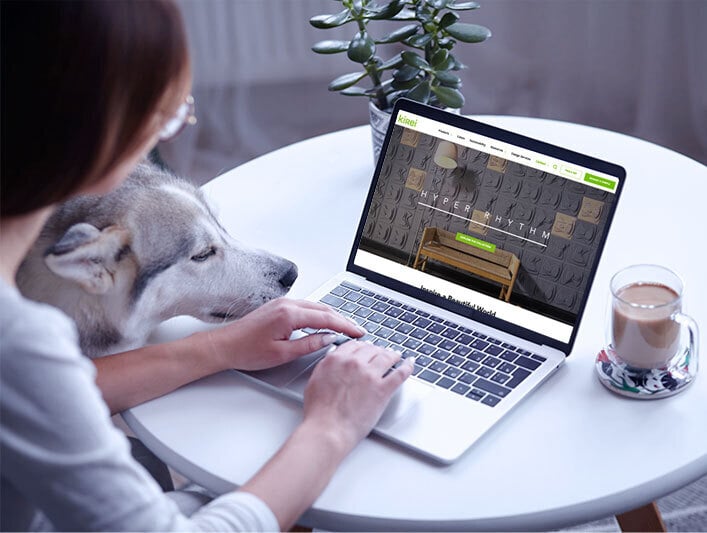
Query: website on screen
point(498, 228)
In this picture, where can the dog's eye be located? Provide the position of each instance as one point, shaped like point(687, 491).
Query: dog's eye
point(203, 256)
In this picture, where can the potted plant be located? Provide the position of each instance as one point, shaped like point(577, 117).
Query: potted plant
point(425, 71)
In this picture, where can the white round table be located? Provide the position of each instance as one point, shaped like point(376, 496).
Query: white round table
point(572, 452)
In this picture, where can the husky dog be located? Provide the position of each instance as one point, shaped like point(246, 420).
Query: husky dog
point(150, 250)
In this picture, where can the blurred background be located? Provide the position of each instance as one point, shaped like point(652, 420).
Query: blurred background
point(634, 66)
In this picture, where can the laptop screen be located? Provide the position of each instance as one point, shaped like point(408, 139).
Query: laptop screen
point(498, 225)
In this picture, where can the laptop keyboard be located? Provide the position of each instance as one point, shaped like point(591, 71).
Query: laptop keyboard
point(449, 355)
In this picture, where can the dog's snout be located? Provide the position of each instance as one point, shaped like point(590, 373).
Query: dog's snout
point(289, 275)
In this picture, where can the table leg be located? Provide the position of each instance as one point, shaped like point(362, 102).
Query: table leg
point(646, 518)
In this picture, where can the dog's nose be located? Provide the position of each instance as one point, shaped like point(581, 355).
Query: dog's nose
point(289, 276)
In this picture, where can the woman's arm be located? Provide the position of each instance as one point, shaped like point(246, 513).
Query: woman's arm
point(259, 340)
point(344, 399)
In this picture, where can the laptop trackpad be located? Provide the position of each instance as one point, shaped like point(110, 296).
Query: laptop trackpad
point(280, 376)
point(403, 401)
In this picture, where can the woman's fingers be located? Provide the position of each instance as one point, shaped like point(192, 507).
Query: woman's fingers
point(321, 317)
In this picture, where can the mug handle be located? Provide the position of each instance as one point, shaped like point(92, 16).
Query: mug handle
point(694, 335)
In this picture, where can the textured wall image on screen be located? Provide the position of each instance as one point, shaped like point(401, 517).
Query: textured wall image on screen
point(551, 224)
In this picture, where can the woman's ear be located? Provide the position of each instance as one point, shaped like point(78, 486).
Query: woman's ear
point(89, 256)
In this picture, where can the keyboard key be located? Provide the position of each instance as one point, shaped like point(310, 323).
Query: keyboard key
point(399, 338)
point(417, 370)
point(508, 355)
point(460, 388)
point(367, 292)
point(527, 362)
point(377, 317)
point(476, 394)
point(380, 306)
point(453, 372)
point(484, 372)
point(362, 312)
point(384, 333)
point(517, 378)
point(493, 349)
point(447, 345)
point(338, 291)
point(426, 349)
point(391, 323)
point(445, 383)
point(449, 324)
point(470, 366)
point(411, 343)
point(366, 301)
point(466, 377)
point(408, 317)
point(507, 368)
point(441, 355)
point(480, 336)
point(450, 333)
point(491, 362)
point(461, 350)
point(538, 357)
point(436, 319)
point(466, 330)
point(423, 360)
point(479, 344)
point(370, 327)
point(360, 321)
point(393, 311)
point(436, 328)
point(438, 366)
point(433, 339)
point(332, 300)
point(350, 285)
point(493, 341)
point(381, 298)
point(476, 356)
point(465, 339)
point(428, 375)
point(394, 302)
point(419, 333)
point(349, 307)
point(408, 308)
point(352, 296)
point(490, 400)
point(422, 322)
point(500, 377)
point(493, 388)
point(381, 342)
point(421, 313)
point(523, 352)
point(507, 346)
point(456, 360)
point(404, 328)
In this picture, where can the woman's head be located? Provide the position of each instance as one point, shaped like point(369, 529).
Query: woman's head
point(87, 85)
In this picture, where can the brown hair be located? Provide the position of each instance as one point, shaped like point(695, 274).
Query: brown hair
point(81, 83)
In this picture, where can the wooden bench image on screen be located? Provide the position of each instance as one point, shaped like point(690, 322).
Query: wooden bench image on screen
point(499, 266)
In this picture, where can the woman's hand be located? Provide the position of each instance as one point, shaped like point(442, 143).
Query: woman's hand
point(349, 389)
point(261, 339)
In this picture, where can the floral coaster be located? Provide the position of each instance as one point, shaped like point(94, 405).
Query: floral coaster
point(645, 383)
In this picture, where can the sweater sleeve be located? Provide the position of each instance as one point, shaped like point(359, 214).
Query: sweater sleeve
point(63, 455)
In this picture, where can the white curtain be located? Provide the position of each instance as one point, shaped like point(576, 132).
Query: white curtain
point(634, 66)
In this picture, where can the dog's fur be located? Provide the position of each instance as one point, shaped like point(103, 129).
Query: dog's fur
point(152, 249)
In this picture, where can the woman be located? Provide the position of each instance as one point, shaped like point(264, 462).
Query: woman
point(88, 88)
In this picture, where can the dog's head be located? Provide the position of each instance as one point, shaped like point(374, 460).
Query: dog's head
point(148, 251)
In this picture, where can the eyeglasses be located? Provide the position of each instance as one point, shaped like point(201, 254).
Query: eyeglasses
point(183, 117)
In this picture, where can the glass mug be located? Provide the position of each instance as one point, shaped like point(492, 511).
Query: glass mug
point(645, 323)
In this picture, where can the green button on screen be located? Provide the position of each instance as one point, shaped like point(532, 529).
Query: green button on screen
point(478, 243)
point(601, 182)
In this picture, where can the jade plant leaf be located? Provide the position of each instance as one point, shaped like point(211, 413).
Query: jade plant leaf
point(399, 34)
point(420, 93)
point(468, 33)
point(406, 73)
point(449, 97)
point(361, 48)
point(324, 22)
point(347, 80)
point(331, 47)
point(462, 6)
point(448, 79)
point(414, 60)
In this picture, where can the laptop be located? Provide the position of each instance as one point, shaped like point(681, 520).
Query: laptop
point(475, 253)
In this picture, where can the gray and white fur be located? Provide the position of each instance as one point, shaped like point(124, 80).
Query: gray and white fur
point(150, 250)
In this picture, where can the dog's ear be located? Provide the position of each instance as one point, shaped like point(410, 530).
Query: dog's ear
point(88, 256)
